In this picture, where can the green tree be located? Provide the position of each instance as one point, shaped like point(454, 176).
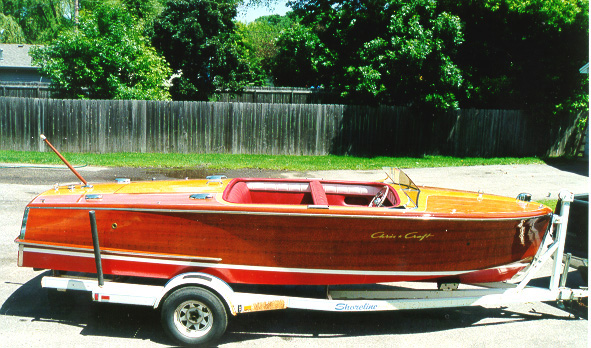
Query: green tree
point(412, 63)
point(198, 39)
point(300, 58)
point(524, 54)
point(40, 20)
point(385, 51)
point(146, 10)
point(106, 57)
point(259, 38)
point(10, 31)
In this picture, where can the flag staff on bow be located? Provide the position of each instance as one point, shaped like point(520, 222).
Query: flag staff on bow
point(44, 138)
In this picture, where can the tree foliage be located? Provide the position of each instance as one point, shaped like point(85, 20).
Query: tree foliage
point(300, 58)
point(39, 20)
point(198, 39)
point(524, 54)
point(385, 51)
point(146, 10)
point(259, 39)
point(509, 54)
point(10, 31)
point(106, 57)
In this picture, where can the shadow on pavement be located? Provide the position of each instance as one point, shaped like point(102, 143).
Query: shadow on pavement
point(76, 308)
point(576, 166)
point(143, 323)
point(299, 323)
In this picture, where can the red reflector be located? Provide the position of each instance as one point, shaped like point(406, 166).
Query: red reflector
point(98, 297)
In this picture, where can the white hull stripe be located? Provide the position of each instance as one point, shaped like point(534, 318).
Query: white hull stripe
point(124, 253)
point(90, 254)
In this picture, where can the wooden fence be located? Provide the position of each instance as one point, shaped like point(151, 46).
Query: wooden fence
point(278, 95)
point(295, 129)
point(267, 95)
point(25, 90)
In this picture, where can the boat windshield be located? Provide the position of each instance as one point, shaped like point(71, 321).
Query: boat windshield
point(406, 185)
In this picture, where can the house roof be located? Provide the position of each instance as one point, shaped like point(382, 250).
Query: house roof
point(15, 56)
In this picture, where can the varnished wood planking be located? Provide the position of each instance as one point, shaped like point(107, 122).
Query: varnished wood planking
point(329, 242)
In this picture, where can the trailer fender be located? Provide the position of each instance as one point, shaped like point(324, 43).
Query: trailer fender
point(214, 284)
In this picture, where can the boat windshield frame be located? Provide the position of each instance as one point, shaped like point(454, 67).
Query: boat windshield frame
point(406, 185)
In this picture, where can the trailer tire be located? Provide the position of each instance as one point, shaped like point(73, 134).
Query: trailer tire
point(194, 316)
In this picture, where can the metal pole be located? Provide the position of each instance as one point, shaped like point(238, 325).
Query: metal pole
point(565, 269)
point(566, 198)
point(97, 250)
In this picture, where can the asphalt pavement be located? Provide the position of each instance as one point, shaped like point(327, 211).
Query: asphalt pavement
point(33, 317)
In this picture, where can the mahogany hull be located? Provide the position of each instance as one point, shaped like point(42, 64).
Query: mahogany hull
point(280, 246)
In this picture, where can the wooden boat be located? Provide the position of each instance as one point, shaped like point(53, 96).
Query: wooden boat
point(284, 231)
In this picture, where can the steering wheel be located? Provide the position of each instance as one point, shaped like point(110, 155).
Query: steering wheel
point(380, 198)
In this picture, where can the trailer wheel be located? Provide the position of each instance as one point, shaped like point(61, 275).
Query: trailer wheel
point(194, 316)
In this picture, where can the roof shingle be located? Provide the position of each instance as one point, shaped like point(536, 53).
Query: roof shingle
point(15, 55)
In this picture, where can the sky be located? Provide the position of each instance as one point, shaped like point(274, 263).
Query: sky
point(247, 15)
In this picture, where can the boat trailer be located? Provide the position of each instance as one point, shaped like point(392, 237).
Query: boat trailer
point(195, 306)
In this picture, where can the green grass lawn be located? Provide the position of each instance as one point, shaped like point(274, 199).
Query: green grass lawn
point(548, 202)
point(269, 162)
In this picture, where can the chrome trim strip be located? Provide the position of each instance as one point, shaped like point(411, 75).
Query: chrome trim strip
point(21, 248)
point(89, 254)
point(216, 177)
point(317, 206)
point(24, 223)
point(201, 196)
point(109, 252)
point(93, 196)
point(320, 215)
